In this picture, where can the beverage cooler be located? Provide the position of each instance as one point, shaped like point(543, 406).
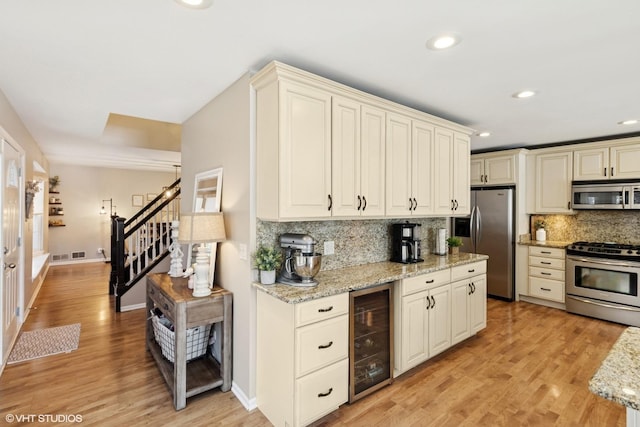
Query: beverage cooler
point(371, 340)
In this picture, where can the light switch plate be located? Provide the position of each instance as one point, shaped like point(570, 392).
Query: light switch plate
point(329, 248)
point(242, 249)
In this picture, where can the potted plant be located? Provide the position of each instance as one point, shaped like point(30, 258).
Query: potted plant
point(267, 259)
point(541, 233)
point(454, 245)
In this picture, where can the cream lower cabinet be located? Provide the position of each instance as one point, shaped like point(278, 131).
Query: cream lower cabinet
point(469, 300)
point(547, 273)
point(302, 358)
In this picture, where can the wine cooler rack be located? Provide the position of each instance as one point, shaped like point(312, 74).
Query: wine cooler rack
point(371, 340)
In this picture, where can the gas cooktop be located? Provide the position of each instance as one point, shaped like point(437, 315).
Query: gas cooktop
point(605, 249)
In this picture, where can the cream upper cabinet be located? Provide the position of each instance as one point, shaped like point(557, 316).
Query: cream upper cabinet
point(409, 166)
point(614, 161)
point(293, 152)
point(451, 173)
point(358, 148)
point(493, 170)
point(553, 182)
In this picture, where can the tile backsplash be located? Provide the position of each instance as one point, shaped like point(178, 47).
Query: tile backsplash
point(356, 242)
point(594, 226)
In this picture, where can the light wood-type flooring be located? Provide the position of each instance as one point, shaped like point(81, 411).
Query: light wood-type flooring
point(531, 366)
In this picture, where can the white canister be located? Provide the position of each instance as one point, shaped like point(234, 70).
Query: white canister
point(541, 234)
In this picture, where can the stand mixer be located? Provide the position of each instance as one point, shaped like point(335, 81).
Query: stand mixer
point(301, 262)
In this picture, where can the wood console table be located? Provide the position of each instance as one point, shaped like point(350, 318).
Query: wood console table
point(172, 296)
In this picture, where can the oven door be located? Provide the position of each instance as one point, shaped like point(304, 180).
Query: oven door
point(603, 279)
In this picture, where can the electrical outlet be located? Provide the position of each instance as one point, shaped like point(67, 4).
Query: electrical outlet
point(242, 251)
point(329, 248)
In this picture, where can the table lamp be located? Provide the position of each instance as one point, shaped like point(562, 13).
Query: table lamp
point(203, 228)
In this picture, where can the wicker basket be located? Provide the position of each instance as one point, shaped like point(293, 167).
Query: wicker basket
point(197, 340)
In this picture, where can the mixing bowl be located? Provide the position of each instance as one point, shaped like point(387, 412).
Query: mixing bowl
point(307, 266)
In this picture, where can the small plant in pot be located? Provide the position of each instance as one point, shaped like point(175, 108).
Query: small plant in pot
point(541, 233)
point(267, 259)
point(454, 245)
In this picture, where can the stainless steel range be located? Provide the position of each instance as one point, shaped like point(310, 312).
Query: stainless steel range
point(602, 281)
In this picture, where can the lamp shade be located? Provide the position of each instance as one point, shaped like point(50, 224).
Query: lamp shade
point(201, 227)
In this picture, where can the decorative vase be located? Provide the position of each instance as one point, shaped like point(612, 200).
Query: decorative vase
point(268, 277)
point(454, 250)
point(541, 234)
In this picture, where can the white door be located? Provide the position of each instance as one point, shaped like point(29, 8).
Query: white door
point(11, 214)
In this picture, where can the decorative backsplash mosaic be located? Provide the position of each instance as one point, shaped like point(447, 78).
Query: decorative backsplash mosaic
point(594, 226)
point(356, 242)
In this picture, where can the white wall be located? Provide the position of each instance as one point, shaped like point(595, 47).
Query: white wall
point(82, 190)
point(219, 135)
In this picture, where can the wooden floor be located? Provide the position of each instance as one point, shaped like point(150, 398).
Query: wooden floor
point(530, 367)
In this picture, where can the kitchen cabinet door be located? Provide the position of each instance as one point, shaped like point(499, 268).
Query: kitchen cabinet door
point(372, 161)
point(461, 185)
point(305, 152)
point(500, 170)
point(553, 182)
point(398, 161)
point(443, 172)
point(415, 330)
point(478, 304)
point(591, 164)
point(476, 171)
point(345, 170)
point(625, 161)
point(460, 311)
point(422, 168)
point(439, 319)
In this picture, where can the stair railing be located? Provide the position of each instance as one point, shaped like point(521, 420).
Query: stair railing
point(141, 242)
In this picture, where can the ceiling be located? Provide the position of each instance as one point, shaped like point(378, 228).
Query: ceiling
point(66, 66)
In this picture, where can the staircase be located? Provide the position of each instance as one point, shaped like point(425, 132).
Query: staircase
point(141, 242)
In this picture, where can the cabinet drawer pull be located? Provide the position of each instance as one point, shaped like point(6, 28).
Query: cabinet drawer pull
point(152, 291)
point(325, 310)
point(321, 347)
point(359, 202)
point(544, 273)
point(545, 252)
point(415, 203)
point(470, 291)
point(166, 306)
point(545, 263)
point(364, 199)
point(330, 202)
point(473, 288)
point(430, 281)
point(433, 302)
point(471, 271)
point(326, 394)
point(545, 289)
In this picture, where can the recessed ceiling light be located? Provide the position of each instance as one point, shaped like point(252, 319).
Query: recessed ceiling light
point(524, 94)
point(628, 122)
point(484, 134)
point(195, 4)
point(443, 41)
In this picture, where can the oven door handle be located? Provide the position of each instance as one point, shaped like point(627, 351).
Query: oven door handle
point(599, 261)
point(604, 305)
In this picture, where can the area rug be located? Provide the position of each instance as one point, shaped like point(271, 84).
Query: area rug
point(45, 342)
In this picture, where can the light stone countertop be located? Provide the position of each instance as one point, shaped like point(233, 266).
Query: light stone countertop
point(547, 243)
point(332, 282)
point(618, 378)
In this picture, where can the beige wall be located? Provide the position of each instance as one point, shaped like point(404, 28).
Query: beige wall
point(12, 126)
point(219, 135)
point(82, 190)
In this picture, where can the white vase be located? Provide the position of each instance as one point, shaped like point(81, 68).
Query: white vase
point(541, 234)
point(268, 277)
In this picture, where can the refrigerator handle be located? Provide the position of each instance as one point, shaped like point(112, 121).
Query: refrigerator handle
point(472, 231)
point(478, 227)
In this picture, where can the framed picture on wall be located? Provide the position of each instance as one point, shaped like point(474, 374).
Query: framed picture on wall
point(137, 200)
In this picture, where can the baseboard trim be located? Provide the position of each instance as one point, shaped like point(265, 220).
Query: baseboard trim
point(249, 404)
point(133, 307)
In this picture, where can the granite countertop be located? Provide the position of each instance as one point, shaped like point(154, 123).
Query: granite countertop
point(331, 282)
point(547, 243)
point(618, 378)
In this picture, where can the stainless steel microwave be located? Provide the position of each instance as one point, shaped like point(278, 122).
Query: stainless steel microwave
point(606, 196)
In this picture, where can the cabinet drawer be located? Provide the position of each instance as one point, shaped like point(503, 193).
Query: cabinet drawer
point(535, 261)
point(468, 270)
point(323, 391)
point(162, 301)
point(321, 309)
point(546, 252)
point(321, 344)
point(415, 284)
point(547, 273)
point(547, 289)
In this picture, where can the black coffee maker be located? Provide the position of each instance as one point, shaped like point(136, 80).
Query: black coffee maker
point(405, 243)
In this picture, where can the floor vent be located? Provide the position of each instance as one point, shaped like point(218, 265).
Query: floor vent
point(59, 257)
point(78, 255)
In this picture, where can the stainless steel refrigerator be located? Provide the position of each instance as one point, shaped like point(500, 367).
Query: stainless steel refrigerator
point(489, 230)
